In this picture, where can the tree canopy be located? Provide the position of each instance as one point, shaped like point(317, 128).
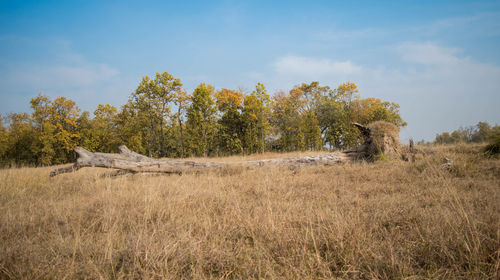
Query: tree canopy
point(161, 119)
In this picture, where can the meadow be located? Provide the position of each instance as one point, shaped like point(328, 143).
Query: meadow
point(382, 220)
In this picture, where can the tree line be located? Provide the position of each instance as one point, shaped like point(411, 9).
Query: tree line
point(479, 133)
point(161, 119)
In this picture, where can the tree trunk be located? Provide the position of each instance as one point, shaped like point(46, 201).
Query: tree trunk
point(135, 163)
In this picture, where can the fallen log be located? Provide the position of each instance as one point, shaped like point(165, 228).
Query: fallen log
point(127, 161)
point(130, 162)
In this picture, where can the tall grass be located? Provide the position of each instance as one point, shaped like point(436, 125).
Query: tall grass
point(353, 221)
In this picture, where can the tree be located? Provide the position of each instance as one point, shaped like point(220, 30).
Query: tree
point(181, 101)
point(250, 119)
point(104, 129)
point(296, 117)
point(262, 110)
point(311, 132)
point(444, 138)
point(335, 122)
point(201, 120)
point(230, 134)
point(43, 142)
point(64, 114)
point(370, 109)
point(85, 130)
point(20, 138)
point(151, 99)
point(55, 129)
point(131, 131)
point(4, 141)
point(286, 118)
point(482, 132)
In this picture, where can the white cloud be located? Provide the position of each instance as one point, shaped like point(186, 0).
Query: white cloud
point(313, 67)
point(60, 71)
point(438, 88)
point(428, 54)
point(60, 77)
point(447, 71)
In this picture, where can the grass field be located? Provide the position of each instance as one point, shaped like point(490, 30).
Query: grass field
point(387, 220)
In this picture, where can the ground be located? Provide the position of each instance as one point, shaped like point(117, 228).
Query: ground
point(389, 219)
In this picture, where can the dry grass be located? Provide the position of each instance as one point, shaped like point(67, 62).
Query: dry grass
point(354, 221)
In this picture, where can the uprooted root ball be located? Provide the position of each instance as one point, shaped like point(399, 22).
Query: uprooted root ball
point(384, 140)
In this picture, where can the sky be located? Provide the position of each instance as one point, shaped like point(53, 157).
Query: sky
point(439, 60)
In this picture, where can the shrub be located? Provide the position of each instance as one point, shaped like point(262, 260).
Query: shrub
point(493, 149)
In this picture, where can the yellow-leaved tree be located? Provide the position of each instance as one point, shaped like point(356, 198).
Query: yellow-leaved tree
point(56, 130)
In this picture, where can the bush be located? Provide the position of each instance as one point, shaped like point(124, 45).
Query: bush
point(493, 149)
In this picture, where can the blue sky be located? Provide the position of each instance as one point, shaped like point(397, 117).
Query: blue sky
point(439, 60)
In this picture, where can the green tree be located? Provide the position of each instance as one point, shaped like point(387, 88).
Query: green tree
point(20, 138)
point(482, 132)
point(286, 119)
point(311, 132)
point(181, 101)
point(4, 141)
point(252, 126)
point(444, 138)
point(334, 118)
point(131, 131)
point(104, 129)
point(255, 117)
point(85, 130)
point(296, 119)
point(152, 98)
point(43, 143)
point(230, 130)
point(262, 110)
point(201, 120)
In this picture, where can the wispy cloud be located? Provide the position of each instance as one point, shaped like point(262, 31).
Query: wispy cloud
point(60, 71)
point(61, 77)
point(313, 67)
point(429, 54)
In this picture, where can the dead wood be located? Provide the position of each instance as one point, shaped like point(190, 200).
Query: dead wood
point(128, 161)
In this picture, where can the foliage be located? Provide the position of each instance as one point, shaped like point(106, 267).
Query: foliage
point(151, 100)
point(369, 110)
point(20, 138)
point(181, 101)
point(161, 119)
point(55, 129)
point(104, 137)
point(256, 115)
point(4, 141)
point(230, 125)
point(493, 148)
point(201, 121)
point(481, 132)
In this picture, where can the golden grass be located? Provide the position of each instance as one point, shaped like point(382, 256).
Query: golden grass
point(352, 221)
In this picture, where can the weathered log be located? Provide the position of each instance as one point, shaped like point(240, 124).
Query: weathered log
point(135, 163)
point(130, 162)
